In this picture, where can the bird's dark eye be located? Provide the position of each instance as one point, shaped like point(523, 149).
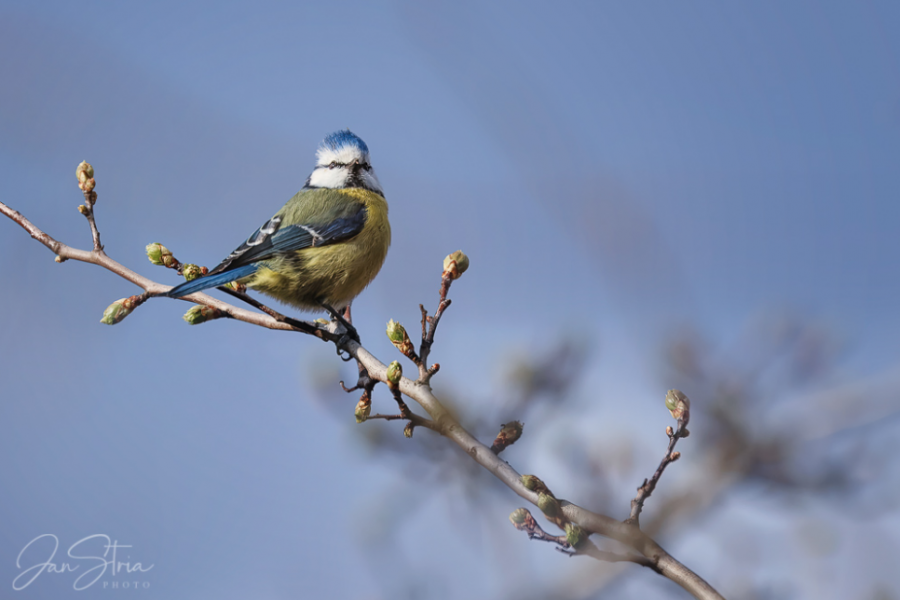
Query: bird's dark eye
point(332, 165)
point(367, 166)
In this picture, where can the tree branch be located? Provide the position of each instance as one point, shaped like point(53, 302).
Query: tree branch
point(680, 408)
point(626, 533)
point(442, 421)
point(101, 259)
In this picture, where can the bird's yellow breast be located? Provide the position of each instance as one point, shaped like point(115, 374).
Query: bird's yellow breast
point(335, 273)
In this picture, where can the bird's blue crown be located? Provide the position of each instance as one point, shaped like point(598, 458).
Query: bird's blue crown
point(342, 138)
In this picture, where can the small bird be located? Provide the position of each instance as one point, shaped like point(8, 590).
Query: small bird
point(325, 245)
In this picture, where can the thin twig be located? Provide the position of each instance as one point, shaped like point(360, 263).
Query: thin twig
point(90, 198)
point(542, 536)
point(387, 417)
point(412, 417)
point(425, 373)
point(398, 398)
point(527, 523)
point(646, 488)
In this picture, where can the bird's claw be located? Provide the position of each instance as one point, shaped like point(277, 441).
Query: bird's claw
point(352, 333)
point(341, 342)
point(339, 318)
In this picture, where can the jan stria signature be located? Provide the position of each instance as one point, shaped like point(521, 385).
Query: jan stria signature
point(95, 566)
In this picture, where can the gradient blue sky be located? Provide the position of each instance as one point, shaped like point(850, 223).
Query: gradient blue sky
point(615, 169)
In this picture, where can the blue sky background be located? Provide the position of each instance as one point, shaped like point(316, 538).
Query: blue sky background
point(614, 170)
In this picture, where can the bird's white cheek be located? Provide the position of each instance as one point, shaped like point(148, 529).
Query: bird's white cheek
point(328, 178)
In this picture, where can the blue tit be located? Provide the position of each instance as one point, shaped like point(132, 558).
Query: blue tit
point(325, 245)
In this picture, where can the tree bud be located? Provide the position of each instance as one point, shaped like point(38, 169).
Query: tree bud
point(118, 310)
point(509, 434)
point(408, 430)
point(519, 517)
point(549, 506)
point(456, 264)
point(160, 255)
point(191, 272)
point(85, 175)
point(396, 332)
point(394, 373)
point(84, 171)
point(399, 338)
point(575, 535)
point(533, 483)
point(201, 314)
point(363, 408)
point(678, 404)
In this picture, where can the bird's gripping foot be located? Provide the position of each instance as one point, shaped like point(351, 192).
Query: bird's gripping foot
point(337, 316)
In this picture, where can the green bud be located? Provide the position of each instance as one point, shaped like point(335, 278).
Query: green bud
point(394, 373)
point(201, 314)
point(321, 321)
point(83, 209)
point(363, 408)
point(191, 272)
point(238, 287)
point(519, 516)
point(549, 506)
point(456, 264)
point(85, 175)
point(117, 311)
point(408, 430)
point(398, 336)
point(84, 172)
point(160, 255)
point(534, 484)
point(531, 482)
point(671, 400)
point(575, 535)
point(396, 332)
point(678, 404)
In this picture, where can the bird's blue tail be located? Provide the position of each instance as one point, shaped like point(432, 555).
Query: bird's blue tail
point(211, 281)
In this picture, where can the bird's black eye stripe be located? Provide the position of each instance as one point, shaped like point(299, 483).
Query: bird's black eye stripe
point(334, 164)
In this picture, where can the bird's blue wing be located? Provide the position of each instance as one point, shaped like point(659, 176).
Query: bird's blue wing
point(210, 281)
point(272, 239)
